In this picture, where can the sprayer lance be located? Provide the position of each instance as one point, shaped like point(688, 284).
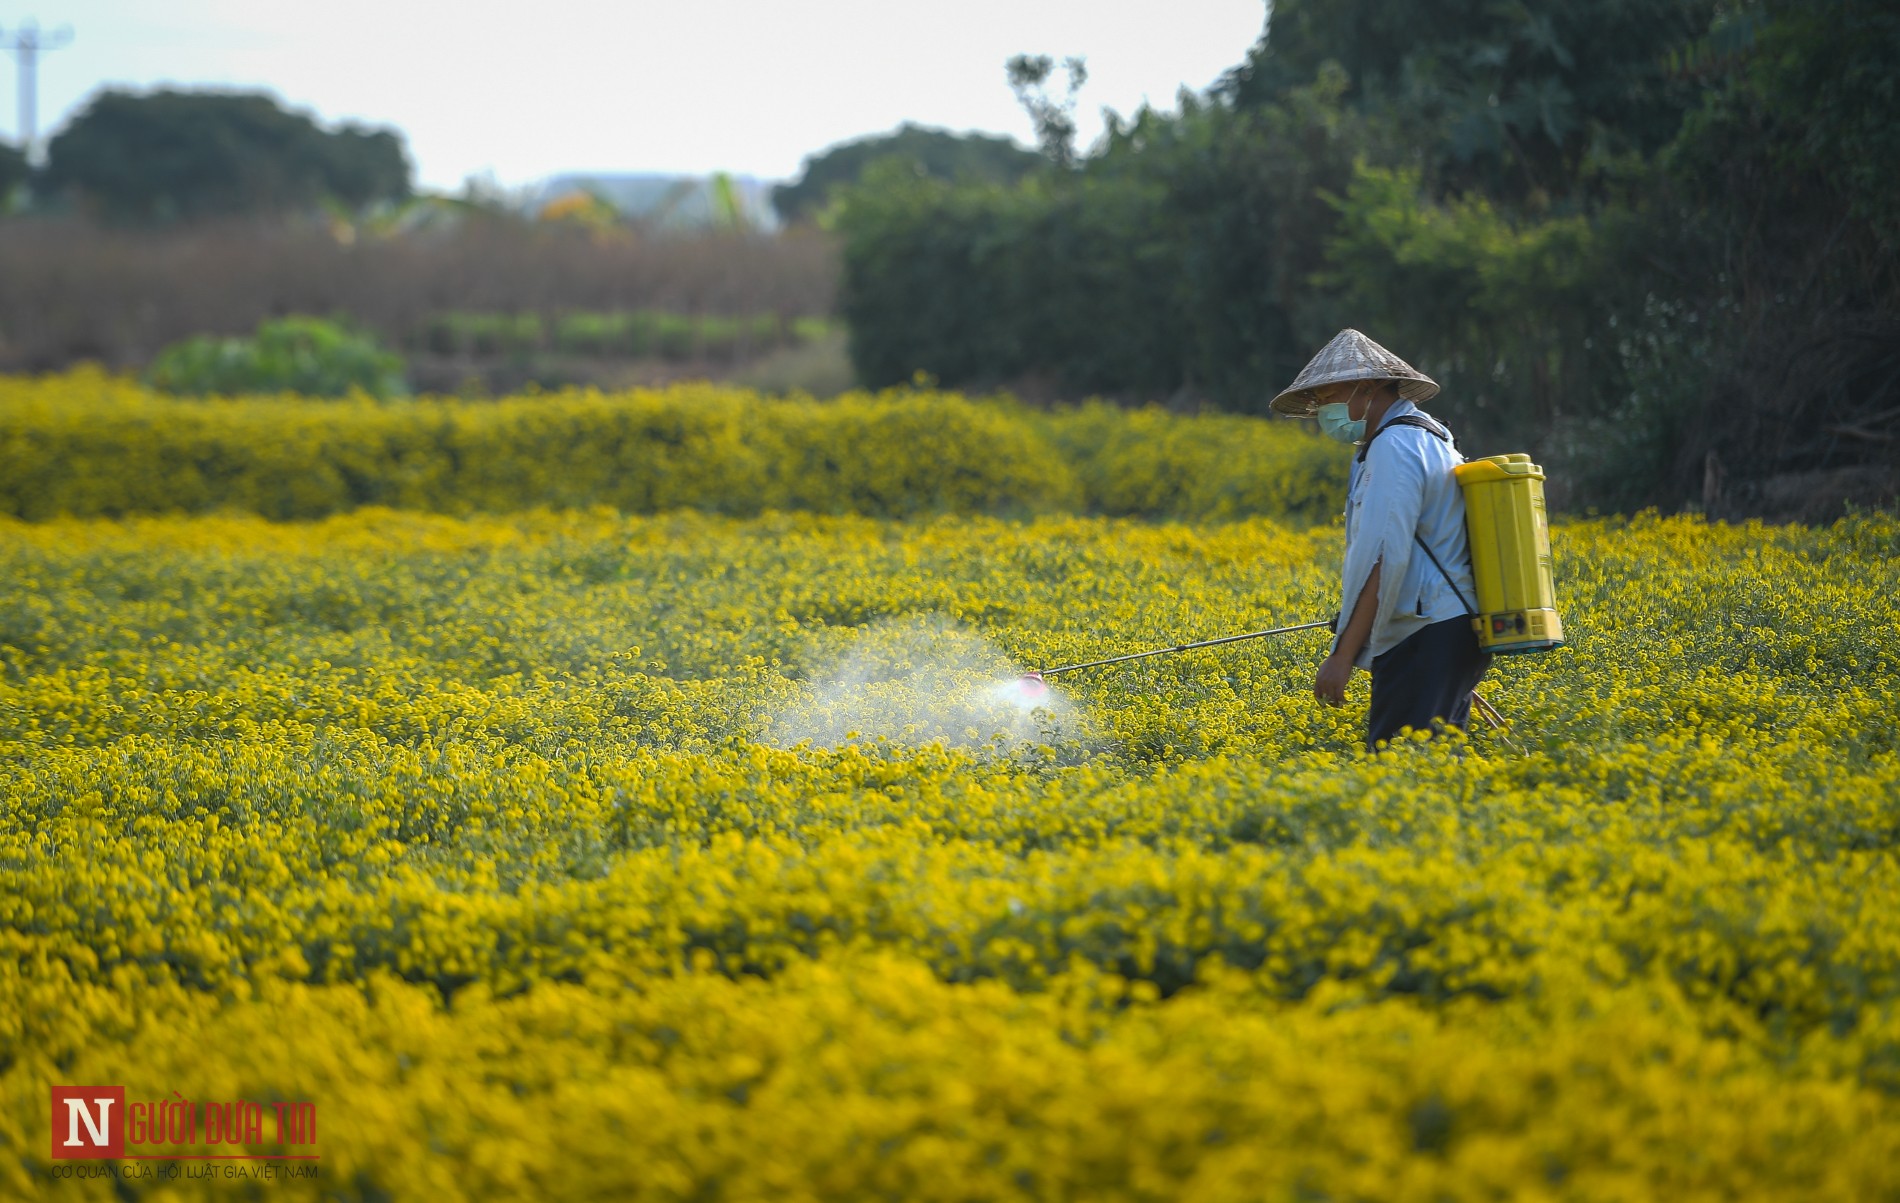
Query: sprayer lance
point(1164, 651)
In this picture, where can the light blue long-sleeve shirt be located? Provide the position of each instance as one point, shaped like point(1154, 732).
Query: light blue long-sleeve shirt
point(1405, 485)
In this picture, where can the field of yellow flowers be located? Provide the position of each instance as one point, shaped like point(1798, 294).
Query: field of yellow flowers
point(573, 853)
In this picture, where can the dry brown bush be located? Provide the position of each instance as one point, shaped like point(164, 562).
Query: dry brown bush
point(70, 290)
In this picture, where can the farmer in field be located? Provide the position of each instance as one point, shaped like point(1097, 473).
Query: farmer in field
point(1407, 579)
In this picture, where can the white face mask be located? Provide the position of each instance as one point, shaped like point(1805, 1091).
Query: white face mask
point(1334, 423)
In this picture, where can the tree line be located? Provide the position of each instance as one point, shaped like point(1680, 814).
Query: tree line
point(172, 155)
point(1650, 241)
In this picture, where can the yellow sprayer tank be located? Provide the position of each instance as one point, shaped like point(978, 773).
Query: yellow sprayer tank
point(1510, 554)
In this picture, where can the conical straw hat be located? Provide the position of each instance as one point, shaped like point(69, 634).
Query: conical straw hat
point(1352, 356)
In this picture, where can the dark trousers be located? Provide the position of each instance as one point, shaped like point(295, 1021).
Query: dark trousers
point(1426, 679)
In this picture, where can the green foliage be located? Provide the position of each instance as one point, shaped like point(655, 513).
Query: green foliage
point(14, 171)
point(1527, 100)
point(1773, 234)
point(173, 154)
point(618, 334)
point(1730, 42)
point(729, 211)
point(1169, 263)
point(923, 290)
point(1825, 72)
point(1029, 76)
point(650, 334)
point(1513, 303)
point(1650, 241)
point(937, 154)
point(89, 445)
point(484, 333)
point(304, 355)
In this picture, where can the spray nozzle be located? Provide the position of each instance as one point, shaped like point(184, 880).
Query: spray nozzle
point(1031, 685)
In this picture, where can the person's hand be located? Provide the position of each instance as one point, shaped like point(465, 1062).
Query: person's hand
point(1334, 675)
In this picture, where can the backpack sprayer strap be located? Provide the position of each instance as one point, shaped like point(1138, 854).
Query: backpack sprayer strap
point(1419, 420)
point(1470, 609)
point(1444, 436)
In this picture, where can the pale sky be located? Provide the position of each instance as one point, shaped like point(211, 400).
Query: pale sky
point(525, 91)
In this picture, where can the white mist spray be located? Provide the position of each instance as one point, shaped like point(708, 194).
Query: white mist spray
point(921, 680)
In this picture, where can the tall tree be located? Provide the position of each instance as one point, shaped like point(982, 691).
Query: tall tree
point(1522, 100)
point(177, 154)
point(1787, 236)
point(1029, 76)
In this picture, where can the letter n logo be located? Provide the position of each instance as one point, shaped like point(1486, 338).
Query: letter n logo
point(88, 1121)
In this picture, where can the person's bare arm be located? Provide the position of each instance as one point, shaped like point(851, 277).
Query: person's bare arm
point(1335, 673)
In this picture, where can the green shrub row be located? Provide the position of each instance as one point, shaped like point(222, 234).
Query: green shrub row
point(636, 334)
